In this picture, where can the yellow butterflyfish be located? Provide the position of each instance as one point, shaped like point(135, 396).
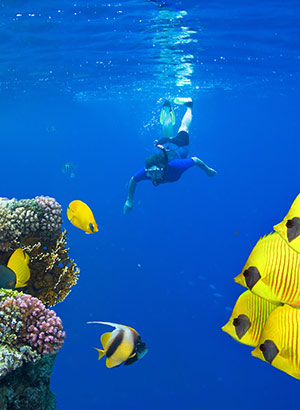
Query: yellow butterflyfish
point(279, 344)
point(122, 345)
point(16, 274)
point(289, 228)
point(272, 271)
point(81, 216)
point(248, 318)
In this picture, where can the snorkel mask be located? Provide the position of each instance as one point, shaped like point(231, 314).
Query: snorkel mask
point(155, 173)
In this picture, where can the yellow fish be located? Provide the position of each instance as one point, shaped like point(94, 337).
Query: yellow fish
point(272, 271)
point(289, 228)
point(248, 318)
point(81, 216)
point(122, 345)
point(16, 274)
point(279, 344)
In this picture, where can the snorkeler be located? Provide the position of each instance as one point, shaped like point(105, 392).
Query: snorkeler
point(172, 161)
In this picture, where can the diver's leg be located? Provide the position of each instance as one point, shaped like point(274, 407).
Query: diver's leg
point(186, 120)
point(210, 172)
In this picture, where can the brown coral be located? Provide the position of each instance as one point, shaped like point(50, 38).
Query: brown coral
point(52, 272)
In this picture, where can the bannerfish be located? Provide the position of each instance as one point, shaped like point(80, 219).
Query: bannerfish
point(289, 228)
point(248, 318)
point(122, 345)
point(81, 216)
point(272, 271)
point(16, 274)
point(279, 343)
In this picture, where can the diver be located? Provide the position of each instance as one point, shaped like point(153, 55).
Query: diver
point(172, 160)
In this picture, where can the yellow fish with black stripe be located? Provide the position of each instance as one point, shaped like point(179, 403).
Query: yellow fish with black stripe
point(272, 271)
point(81, 216)
point(122, 345)
point(16, 274)
point(248, 318)
point(289, 228)
point(279, 344)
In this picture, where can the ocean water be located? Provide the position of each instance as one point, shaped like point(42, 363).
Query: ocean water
point(84, 82)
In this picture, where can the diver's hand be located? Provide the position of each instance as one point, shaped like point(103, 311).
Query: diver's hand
point(128, 206)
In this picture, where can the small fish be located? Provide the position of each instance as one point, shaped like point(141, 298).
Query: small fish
point(279, 343)
point(51, 129)
point(289, 228)
point(122, 345)
point(248, 318)
point(68, 170)
point(16, 274)
point(272, 271)
point(81, 216)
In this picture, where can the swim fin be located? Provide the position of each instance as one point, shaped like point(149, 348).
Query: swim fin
point(167, 110)
point(186, 101)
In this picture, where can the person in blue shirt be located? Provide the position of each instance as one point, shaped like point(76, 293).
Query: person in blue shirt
point(172, 160)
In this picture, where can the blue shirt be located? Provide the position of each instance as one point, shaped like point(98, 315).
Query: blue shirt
point(176, 168)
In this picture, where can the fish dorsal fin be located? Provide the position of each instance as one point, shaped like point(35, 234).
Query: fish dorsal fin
point(116, 325)
point(105, 338)
point(18, 263)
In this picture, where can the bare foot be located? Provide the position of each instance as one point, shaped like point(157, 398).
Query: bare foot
point(210, 172)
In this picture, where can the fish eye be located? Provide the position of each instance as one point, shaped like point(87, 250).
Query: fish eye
point(289, 223)
point(91, 226)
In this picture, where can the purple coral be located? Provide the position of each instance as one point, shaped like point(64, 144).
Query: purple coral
point(51, 221)
point(41, 328)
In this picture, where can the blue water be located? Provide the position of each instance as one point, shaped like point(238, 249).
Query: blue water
point(84, 82)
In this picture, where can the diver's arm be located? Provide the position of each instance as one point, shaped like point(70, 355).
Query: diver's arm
point(210, 172)
point(129, 202)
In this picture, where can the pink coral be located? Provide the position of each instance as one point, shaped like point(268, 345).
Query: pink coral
point(41, 328)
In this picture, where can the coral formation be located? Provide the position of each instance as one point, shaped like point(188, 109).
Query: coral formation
point(30, 333)
point(28, 330)
point(35, 226)
point(50, 221)
point(40, 217)
point(52, 272)
point(27, 387)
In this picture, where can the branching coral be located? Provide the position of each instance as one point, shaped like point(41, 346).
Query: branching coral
point(28, 330)
point(53, 273)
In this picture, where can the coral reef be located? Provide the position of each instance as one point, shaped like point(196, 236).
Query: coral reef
point(30, 333)
point(35, 226)
point(52, 272)
point(28, 330)
point(40, 217)
point(27, 388)
point(50, 221)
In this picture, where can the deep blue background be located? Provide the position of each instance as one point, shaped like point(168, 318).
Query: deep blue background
point(86, 86)
point(190, 238)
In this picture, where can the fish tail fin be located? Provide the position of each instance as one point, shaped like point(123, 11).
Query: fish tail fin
point(18, 263)
point(101, 353)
